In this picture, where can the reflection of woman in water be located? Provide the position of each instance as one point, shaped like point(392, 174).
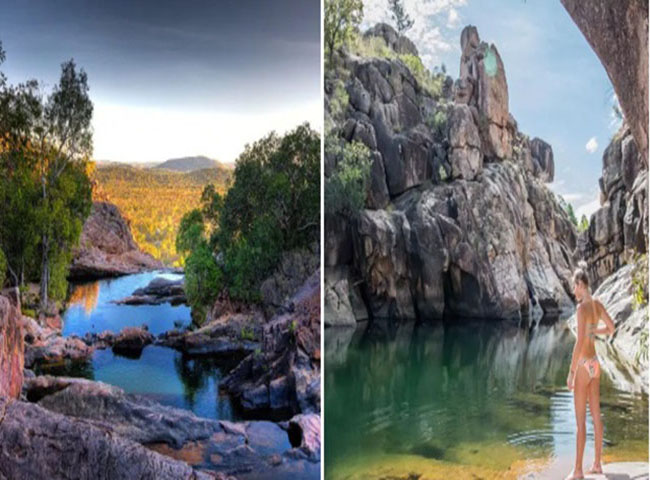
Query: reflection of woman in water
point(584, 375)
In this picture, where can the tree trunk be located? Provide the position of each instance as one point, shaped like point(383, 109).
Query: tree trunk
point(617, 30)
point(45, 275)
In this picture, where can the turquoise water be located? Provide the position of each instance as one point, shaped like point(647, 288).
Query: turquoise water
point(160, 373)
point(90, 308)
point(474, 397)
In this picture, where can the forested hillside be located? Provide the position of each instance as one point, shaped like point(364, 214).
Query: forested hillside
point(155, 200)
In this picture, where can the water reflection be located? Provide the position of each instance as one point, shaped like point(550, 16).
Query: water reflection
point(456, 392)
point(162, 374)
point(90, 307)
point(85, 295)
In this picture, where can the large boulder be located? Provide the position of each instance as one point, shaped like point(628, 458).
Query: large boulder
point(11, 349)
point(131, 341)
point(37, 443)
point(130, 422)
point(107, 248)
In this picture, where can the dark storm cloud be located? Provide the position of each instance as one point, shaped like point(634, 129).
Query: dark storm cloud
point(230, 55)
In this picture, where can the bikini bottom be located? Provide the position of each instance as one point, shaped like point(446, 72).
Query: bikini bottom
point(592, 365)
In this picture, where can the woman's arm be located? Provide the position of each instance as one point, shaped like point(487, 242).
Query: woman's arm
point(609, 323)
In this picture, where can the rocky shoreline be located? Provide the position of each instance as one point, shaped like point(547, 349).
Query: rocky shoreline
point(52, 425)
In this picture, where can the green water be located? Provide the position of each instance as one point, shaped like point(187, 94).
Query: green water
point(472, 398)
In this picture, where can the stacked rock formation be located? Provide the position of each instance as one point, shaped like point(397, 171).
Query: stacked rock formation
point(619, 229)
point(457, 219)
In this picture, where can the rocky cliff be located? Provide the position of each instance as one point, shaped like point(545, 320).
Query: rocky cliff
point(458, 219)
point(107, 248)
point(618, 230)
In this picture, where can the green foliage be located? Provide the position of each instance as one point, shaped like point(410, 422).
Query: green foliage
point(190, 232)
point(640, 280)
point(29, 312)
point(345, 188)
point(432, 84)
point(584, 224)
point(437, 123)
point(342, 18)
point(272, 206)
point(403, 21)
point(154, 201)
point(203, 278)
point(45, 143)
point(247, 334)
point(339, 101)
point(371, 46)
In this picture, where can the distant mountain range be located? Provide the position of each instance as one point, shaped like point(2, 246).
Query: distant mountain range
point(183, 164)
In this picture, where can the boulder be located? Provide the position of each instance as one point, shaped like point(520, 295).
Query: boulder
point(172, 435)
point(131, 341)
point(51, 445)
point(106, 247)
point(159, 290)
point(343, 303)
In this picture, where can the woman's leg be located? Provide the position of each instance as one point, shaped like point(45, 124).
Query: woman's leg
point(594, 408)
point(580, 404)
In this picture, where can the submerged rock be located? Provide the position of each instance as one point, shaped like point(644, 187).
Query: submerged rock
point(159, 290)
point(107, 248)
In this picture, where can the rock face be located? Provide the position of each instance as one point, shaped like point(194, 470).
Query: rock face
point(619, 229)
point(45, 345)
point(458, 219)
point(294, 269)
point(618, 33)
point(621, 356)
point(52, 446)
point(482, 85)
point(284, 375)
point(11, 349)
point(131, 422)
point(107, 248)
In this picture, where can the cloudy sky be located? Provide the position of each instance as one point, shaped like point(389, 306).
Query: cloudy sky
point(174, 78)
point(558, 89)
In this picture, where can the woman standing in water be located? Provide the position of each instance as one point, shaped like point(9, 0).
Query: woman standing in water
point(584, 375)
